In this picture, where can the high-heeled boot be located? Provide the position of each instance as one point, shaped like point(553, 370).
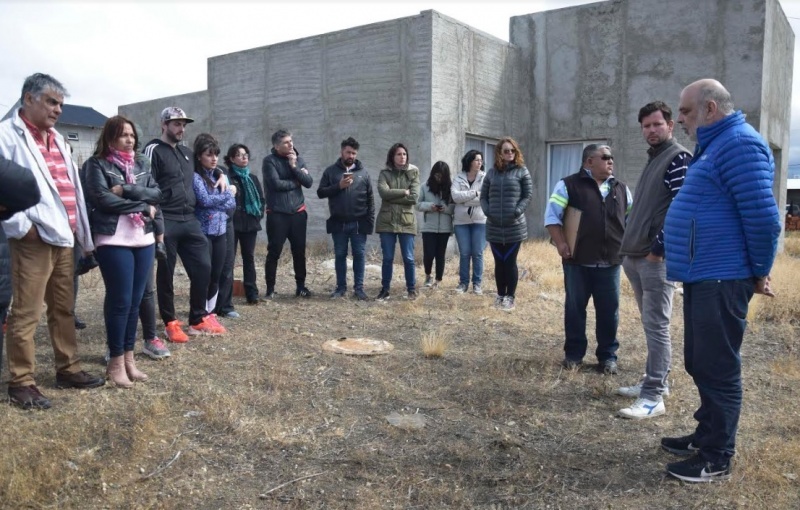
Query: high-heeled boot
point(115, 372)
point(130, 367)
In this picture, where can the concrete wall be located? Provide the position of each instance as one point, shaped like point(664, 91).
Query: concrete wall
point(472, 88)
point(592, 67)
point(147, 115)
point(776, 94)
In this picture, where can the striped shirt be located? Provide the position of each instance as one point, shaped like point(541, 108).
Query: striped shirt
point(673, 180)
point(58, 170)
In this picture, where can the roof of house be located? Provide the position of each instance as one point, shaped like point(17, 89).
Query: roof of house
point(73, 115)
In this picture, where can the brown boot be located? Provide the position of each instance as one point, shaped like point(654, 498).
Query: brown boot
point(115, 372)
point(134, 374)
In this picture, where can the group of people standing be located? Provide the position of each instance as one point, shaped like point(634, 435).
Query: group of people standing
point(131, 208)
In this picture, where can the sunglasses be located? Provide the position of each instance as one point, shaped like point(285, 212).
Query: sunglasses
point(509, 151)
point(607, 157)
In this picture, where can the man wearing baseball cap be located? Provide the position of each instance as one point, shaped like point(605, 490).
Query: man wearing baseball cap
point(173, 168)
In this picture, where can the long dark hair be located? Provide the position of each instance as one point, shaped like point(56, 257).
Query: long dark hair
point(469, 157)
point(440, 188)
point(390, 155)
point(204, 142)
point(112, 130)
point(232, 151)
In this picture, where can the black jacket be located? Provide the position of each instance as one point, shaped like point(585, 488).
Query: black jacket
point(99, 175)
point(354, 203)
point(504, 197)
point(243, 222)
point(18, 191)
point(282, 183)
point(602, 223)
point(173, 170)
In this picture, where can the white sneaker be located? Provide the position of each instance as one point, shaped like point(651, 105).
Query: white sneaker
point(643, 408)
point(635, 390)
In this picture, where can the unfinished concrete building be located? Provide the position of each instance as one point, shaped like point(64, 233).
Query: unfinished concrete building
point(567, 77)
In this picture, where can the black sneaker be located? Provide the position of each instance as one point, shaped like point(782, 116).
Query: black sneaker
point(303, 292)
point(360, 295)
point(412, 295)
point(79, 324)
point(338, 293)
point(270, 295)
point(608, 367)
point(28, 397)
point(698, 470)
point(383, 295)
point(679, 445)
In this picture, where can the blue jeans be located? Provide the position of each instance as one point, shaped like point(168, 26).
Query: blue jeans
point(715, 317)
point(471, 241)
point(388, 240)
point(602, 285)
point(358, 245)
point(125, 272)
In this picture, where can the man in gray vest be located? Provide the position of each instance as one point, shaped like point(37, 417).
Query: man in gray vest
point(643, 251)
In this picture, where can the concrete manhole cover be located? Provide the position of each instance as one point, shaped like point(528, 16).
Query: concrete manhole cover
point(358, 346)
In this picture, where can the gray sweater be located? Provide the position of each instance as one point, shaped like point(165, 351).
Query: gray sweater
point(434, 221)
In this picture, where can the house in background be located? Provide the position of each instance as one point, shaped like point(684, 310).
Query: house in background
point(79, 125)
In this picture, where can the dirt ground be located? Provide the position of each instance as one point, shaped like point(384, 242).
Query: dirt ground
point(264, 418)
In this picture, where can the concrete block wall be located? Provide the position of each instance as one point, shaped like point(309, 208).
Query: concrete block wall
point(592, 67)
point(473, 89)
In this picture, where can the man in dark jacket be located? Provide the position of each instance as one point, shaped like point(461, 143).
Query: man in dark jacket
point(591, 268)
point(285, 176)
point(18, 191)
point(348, 188)
point(643, 252)
point(172, 166)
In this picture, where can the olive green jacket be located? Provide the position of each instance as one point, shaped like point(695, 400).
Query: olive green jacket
point(397, 214)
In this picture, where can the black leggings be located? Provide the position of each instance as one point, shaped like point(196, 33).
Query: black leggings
point(217, 247)
point(434, 246)
point(505, 267)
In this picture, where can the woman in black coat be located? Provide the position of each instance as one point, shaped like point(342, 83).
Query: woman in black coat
point(250, 206)
point(505, 193)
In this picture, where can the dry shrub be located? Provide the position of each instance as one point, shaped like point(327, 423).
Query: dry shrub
point(784, 308)
point(434, 343)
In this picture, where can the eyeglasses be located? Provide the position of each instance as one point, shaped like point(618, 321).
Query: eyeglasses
point(607, 157)
point(509, 151)
point(243, 156)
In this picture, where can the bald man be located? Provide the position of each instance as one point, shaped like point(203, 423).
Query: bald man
point(721, 234)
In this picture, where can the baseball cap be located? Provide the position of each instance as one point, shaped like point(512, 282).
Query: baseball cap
point(174, 113)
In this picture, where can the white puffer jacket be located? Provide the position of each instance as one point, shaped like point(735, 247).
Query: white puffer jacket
point(467, 199)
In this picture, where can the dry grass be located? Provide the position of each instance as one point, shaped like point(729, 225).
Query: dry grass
point(434, 343)
point(226, 420)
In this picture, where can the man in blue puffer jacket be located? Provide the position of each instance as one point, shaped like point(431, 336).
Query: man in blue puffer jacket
point(720, 234)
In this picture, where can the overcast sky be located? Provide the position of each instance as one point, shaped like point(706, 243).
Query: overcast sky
point(113, 53)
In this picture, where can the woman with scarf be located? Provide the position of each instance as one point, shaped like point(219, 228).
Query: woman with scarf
point(249, 212)
point(437, 207)
point(122, 197)
point(211, 210)
point(398, 186)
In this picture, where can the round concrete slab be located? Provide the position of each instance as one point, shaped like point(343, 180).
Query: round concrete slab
point(358, 346)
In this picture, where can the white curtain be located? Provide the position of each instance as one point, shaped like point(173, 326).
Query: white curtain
point(565, 159)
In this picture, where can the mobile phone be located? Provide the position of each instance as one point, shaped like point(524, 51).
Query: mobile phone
point(348, 174)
